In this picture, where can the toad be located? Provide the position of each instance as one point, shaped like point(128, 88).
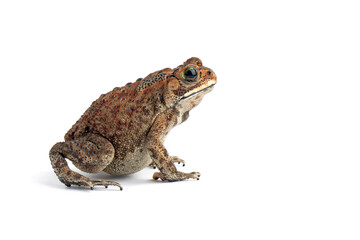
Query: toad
point(123, 131)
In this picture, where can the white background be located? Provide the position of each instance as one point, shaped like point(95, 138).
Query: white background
point(277, 141)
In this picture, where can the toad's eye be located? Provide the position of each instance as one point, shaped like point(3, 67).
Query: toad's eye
point(190, 74)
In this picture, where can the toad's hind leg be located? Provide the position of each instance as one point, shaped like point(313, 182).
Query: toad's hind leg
point(91, 153)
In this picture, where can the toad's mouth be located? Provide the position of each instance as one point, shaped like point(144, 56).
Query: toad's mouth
point(196, 91)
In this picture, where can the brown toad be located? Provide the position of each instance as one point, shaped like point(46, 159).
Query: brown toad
point(123, 131)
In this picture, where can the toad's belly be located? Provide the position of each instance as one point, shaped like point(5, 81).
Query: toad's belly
point(133, 162)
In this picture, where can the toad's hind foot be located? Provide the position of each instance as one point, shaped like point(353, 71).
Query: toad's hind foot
point(91, 154)
point(84, 181)
point(69, 177)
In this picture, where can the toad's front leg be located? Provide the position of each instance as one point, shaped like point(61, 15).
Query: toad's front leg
point(158, 153)
point(174, 159)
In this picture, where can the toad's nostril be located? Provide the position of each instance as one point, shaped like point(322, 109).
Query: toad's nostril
point(209, 72)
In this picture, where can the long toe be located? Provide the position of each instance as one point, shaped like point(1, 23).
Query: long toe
point(107, 183)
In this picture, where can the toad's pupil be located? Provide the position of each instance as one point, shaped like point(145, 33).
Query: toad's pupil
point(190, 73)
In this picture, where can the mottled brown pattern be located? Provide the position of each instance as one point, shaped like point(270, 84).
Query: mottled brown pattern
point(123, 130)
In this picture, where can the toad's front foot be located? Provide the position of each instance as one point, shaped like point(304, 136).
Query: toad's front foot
point(178, 176)
point(178, 160)
point(173, 159)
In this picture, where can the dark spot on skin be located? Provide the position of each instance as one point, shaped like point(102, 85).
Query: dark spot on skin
point(169, 164)
point(185, 116)
point(59, 163)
